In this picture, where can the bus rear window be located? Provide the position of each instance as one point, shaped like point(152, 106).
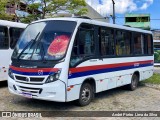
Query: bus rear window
point(14, 36)
point(4, 40)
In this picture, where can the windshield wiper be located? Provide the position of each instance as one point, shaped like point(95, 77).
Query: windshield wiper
point(43, 56)
point(31, 42)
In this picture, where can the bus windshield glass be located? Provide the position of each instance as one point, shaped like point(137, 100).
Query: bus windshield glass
point(44, 41)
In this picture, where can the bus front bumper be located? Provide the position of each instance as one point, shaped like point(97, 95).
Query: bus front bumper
point(55, 91)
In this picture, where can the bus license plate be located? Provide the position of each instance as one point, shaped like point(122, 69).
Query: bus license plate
point(28, 95)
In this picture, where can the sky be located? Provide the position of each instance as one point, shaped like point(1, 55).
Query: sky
point(105, 8)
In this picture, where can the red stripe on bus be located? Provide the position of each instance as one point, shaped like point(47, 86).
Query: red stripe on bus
point(34, 69)
point(96, 67)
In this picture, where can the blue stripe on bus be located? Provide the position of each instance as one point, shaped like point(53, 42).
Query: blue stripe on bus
point(85, 73)
point(93, 72)
point(31, 73)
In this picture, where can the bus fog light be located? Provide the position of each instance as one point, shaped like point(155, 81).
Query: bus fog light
point(10, 73)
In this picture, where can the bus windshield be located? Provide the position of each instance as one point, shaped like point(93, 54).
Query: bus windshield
point(44, 41)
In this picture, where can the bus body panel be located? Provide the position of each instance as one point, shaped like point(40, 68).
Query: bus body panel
point(12, 24)
point(107, 73)
point(6, 53)
point(4, 64)
point(108, 68)
point(53, 91)
point(111, 78)
point(72, 93)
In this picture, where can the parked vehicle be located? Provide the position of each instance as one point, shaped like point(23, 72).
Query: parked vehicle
point(9, 34)
point(66, 59)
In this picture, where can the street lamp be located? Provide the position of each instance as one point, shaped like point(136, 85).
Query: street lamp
point(113, 12)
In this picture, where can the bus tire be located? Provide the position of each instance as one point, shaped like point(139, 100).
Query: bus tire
point(134, 82)
point(86, 95)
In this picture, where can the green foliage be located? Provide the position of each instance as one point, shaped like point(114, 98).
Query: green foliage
point(155, 79)
point(29, 18)
point(48, 7)
point(2, 5)
point(72, 6)
point(157, 56)
point(34, 6)
point(77, 7)
point(52, 7)
point(3, 15)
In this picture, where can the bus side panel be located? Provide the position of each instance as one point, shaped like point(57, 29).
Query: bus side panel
point(3, 73)
point(73, 92)
point(4, 64)
point(145, 74)
point(124, 79)
point(109, 73)
point(111, 83)
point(101, 85)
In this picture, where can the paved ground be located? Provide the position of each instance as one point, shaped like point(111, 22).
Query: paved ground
point(142, 99)
point(145, 98)
point(157, 69)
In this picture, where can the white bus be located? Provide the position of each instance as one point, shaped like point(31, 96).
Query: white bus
point(9, 34)
point(66, 59)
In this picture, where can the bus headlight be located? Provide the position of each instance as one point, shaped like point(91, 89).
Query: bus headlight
point(53, 77)
point(10, 73)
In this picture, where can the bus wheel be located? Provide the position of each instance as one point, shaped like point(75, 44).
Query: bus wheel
point(86, 94)
point(134, 82)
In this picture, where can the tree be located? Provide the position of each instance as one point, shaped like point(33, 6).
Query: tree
point(71, 6)
point(52, 7)
point(32, 9)
point(44, 7)
point(3, 15)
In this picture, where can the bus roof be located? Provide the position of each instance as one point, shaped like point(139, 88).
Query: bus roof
point(95, 22)
point(12, 24)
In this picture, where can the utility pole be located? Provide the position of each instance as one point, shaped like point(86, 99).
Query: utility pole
point(113, 12)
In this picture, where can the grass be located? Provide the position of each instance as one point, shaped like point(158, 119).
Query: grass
point(155, 79)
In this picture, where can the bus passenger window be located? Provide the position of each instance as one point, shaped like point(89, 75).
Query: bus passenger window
point(4, 40)
point(106, 41)
point(123, 43)
point(86, 42)
point(138, 44)
point(14, 35)
point(149, 42)
point(84, 46)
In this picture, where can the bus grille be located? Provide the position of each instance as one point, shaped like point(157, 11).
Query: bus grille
point(31, 79)
point(20, 78)
point(34, 91)
point(36, 79)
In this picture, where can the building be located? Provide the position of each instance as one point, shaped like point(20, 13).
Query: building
point(156, 38)
point(156, 34)
point(141, 21)
point(14, 8)
point(18, 10)
point(92, 13)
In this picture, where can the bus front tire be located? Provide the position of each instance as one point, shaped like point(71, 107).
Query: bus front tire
point(134, 82)
point(86, 94)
